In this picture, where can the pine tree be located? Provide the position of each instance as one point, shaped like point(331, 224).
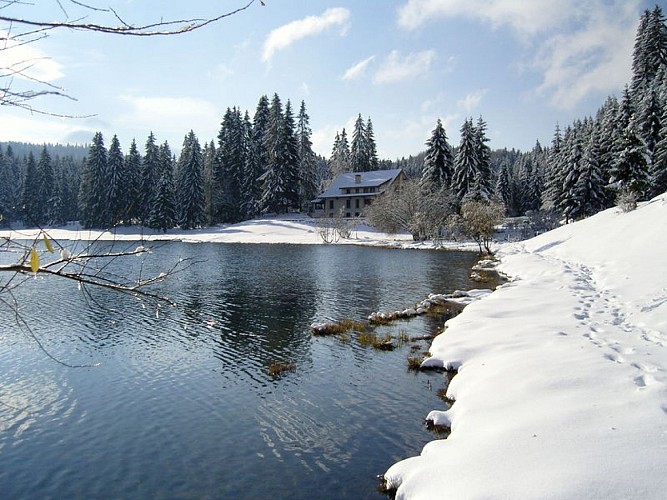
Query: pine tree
point(650, 52)
point(482, 187)
point(150, 175)
point(629, 172)
point(589, 190)
point(567, 203)
point(229, 167)
point(309, 182)
point(258, 159)
point(117, 188)
point(93, 200)
point(10, 187)
point(503, 191)
point(339, 162)
point(438, 162)
point(209, 162)
point(359, 161)
point(133, 163)
point(465, 162)
point(371, 146)
point(46, 189)
point(190, 184)
point(279, 182)
point(31, 201)
point(163, 208)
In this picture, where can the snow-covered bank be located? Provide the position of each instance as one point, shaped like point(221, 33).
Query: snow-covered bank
point(561, 389)
point(289, 229)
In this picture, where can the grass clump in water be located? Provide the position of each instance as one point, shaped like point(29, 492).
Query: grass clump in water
point(279, 368)
point(376, 341)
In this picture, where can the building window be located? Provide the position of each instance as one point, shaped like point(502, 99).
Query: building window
point(347, 204)
point(356, 203)
point(331, 204)
point(347, 215)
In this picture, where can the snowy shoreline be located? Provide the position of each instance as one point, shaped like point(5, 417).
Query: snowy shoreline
point(289, 229)
point(561, 390)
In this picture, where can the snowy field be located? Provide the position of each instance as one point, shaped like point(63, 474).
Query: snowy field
point(288, 229)
point(561, 386)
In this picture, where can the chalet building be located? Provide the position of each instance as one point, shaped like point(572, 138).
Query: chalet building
point(351, 192)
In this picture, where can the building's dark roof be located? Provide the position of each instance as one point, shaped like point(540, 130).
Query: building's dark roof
point(346, 180)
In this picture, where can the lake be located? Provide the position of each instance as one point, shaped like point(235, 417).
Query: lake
point(181, 403)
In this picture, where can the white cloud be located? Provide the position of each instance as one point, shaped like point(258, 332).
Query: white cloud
point(579, 47)
point(284, 36)
point(358, 69)
point(594, 60)
point(471, 101)
point(174, 116)
point(38, 130)
point(27, 61)
point(525, 17)
point(396, 67)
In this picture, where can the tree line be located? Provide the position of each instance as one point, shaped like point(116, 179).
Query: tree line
point(618, 156)
point(258, 165)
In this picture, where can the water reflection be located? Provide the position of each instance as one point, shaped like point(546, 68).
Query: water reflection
point(185, 397)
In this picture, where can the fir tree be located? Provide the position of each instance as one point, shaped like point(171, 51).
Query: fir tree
point(133, 163)
point(482, 187)
point(93, 200)
point(46, 189)
point(339, 162)
point(10, 187)
point(359, 161)
point(117, 187)
point(150, 175)
point(589, 190)
point(190, 184)
point(163, 208)
point(31, 201)
point(229, 167)
point(279, 182)
point(209, 155)
point(370, 145)
point(309, 182)
point(438, 162)
point(465, 162)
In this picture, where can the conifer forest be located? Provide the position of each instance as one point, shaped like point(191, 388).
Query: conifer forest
point(265, 163)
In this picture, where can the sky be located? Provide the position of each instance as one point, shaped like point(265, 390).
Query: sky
point(522, 65)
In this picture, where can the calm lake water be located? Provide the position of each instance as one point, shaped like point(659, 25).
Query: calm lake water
point(182, 404)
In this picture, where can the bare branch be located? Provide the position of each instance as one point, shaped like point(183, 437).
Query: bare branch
point(161, 28)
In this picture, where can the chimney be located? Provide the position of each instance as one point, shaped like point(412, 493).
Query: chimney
point(357, 178)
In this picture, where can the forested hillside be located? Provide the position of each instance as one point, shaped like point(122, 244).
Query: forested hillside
point(266, 163)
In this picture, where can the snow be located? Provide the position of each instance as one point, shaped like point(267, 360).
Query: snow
point(561, 386)
point(285, 229)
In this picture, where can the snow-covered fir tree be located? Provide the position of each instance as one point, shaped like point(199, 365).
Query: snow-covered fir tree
point(465, 162)
point(339, 161)
point(150, 175)
point(438, 161)
point(309, 180)
point(279, 181)
point(209, 155)
point(10, 187)
point(359, 161)
point(258, 159)
point(190, 184)
point(93, 200)
point(229, 167)
point(32, 210)
point(163, 208)
point(133, 163)
point(589, 190)
point(373, 161)
point(117, 187)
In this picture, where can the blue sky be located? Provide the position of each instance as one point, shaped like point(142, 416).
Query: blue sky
point(522, 64)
